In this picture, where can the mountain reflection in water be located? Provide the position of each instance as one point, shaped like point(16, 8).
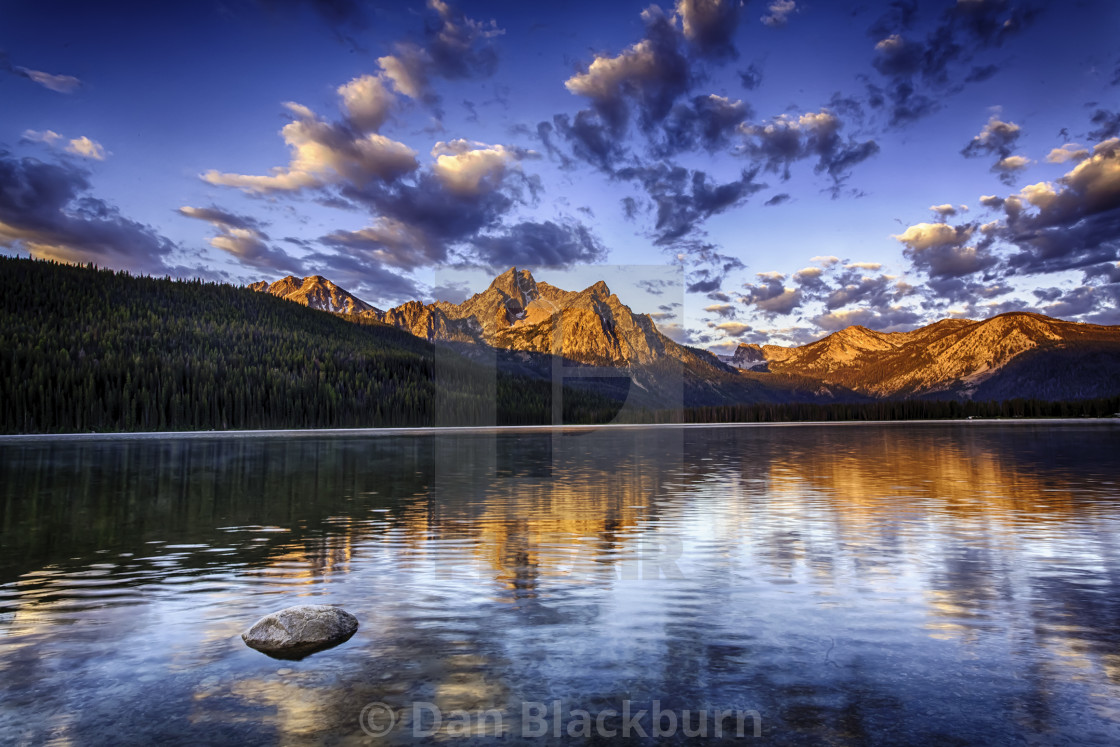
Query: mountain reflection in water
point(852, 584)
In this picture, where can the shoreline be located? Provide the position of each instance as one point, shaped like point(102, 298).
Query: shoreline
point(479, 429)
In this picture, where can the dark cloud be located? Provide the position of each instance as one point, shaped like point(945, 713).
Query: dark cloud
point(243, 238)
point(998, 138)
point(684, 197)
point(45, 209)
point(545, 244)
point(751, 78)
point(853, 286)
point(944, 251)
point(454, 47)
point(706, 122)
point(418, 222)
point(785, 139)
point(630, 207)
point(1107, 122)
point(978, 74)
point(335, 13)
point(1073, 224)
point(920, 71)
point(1075, 302)
point(884, 319)
point(220, 217)
point(1109, 271)
point(544, 134)
point(589, 138)
point(648, 77)
point(899, 16)
point(777, 199)
point(771, 296)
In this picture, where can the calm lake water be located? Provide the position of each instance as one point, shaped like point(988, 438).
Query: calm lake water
point(878, 584)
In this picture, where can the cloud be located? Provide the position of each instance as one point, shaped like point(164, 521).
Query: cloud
point(778, 13)
point(1070, 224)
point(1075, 302)
point(469, 168)
point(878, 292)
point(243, 238)
point(336, 13)
point(919, 73)
point(1010, 165)
point(650, 75)
point(888, 319)
point(732, 329)
point(366, 102)
point(706, 122)
point(589, 137)
point(998, 138)
point(80, 146)
point(45, 209)
point(544, 244)
point(1068, 152)
point(325, 153)
point(940, 250)
point(777, 199)
point(770, 295)
point(86, 148)
point(56, 83)
point(686, 197)
point(777, 144)
point(710, 25)
point(751, 78)
point(1108, 124)
point(725, 310)
point(455, 47)
point(947, 210)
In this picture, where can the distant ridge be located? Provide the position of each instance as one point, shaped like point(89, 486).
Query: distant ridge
point(1017, 354)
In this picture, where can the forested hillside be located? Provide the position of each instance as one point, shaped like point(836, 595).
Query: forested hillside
point(83, 349)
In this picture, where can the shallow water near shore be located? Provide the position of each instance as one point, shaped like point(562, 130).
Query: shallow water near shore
point(877, 584)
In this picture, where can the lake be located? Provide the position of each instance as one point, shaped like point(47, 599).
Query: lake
point(944, 583)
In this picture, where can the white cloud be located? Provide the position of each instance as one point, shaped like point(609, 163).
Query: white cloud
point(1012, 163)
point(1068, 152)
point(469, 168)
point(779, 13)
point(366, 102)
point(81, 146)
point(57, 83)
point(86, 148)
point(733, 329)
point(925, 235)
point(323, 153)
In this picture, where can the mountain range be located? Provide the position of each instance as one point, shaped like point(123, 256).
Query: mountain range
point(524, 321)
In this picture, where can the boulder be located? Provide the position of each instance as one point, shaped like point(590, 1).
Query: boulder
point(295, 632)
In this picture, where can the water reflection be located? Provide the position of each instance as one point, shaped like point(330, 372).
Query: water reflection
point(852, 584)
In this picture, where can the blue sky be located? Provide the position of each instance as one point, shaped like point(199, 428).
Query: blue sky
point(778, 169)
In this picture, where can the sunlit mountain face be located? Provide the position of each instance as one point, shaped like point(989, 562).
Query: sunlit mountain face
point(802, 167)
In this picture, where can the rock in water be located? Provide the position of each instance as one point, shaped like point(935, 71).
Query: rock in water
point(295, 632)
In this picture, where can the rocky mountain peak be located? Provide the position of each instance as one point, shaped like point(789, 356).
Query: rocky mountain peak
point(316, 292)
point(519, 285)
